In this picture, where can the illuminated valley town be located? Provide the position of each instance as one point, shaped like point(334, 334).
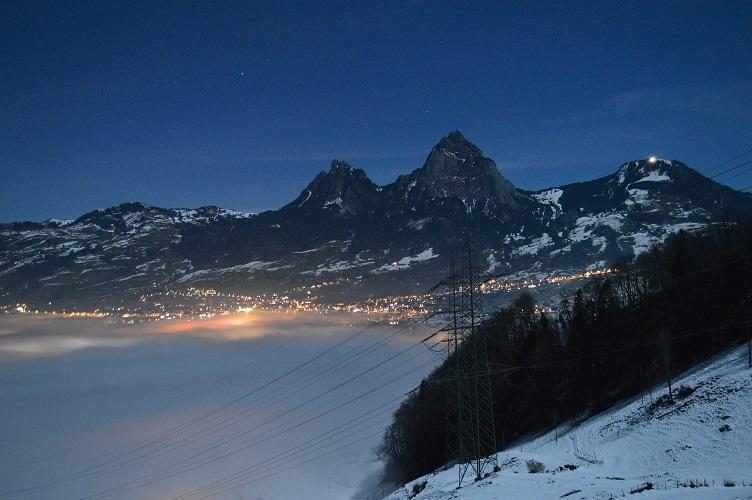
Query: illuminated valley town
point(201, 303)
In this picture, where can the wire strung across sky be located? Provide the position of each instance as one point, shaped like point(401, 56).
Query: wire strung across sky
point(314, 442)
point(325, 439)
point(190, 461)
point(170, 471)
point(730, 169)
point(400, 376)
point(191, 424)
point(726, 162)
point(251, 408)
point(231, 481)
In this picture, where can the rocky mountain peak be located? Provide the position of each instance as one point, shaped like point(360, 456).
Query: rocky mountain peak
point(341, 176)
point(341, 167)
point(457, 168)
point(456, 143)
point(342, 188)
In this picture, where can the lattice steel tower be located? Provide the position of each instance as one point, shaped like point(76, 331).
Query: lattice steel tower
point(470, 415)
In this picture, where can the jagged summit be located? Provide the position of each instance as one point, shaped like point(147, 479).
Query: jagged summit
point(456, 168)
point(341, 170)
point(455, 136)
point(342, 188)
point(457, 143)
point(340, 167)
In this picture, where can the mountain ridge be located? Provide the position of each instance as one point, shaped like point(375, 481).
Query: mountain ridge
point(370, 239)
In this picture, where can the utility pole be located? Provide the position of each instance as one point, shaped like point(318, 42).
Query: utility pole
point(666, 351)
point(556, 425)
point(642, 390)
point(747, 302)
point(749, 343)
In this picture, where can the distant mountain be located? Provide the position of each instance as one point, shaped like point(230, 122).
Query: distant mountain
point(361, 238)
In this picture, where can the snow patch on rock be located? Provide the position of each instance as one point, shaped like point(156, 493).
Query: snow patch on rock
point(406, 262)
point(550, 197)
point(655, 176)
point(584, 226)
point(535, 246)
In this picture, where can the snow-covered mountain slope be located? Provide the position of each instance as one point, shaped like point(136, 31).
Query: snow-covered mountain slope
point(101, 254)
point(367, 239)
point(697, 447)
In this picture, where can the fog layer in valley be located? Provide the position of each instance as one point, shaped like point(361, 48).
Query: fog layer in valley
point(82, 400)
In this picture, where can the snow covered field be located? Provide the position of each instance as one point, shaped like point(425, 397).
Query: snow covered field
point(703, 439)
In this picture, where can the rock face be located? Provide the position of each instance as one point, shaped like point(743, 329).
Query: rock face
point(456, 169)
point(360, 238)
point(342, 189)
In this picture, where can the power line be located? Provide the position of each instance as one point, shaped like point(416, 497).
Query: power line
point(187, 425)
point(252, 410)
point(215, 380)
point(266, 385)
point(719, 165)
point(731, 169)
point(334, 432)
point(317, 457)
point(513, 369)
point(130, 485)
point(307, 451)
point(746, 170)
point(322, 440)
point(190, 462)
point(226, 483)
point(246, 431)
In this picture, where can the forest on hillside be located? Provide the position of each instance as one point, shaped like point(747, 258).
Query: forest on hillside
point(672, 307)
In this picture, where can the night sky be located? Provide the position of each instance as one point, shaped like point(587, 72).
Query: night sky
point(182, 104)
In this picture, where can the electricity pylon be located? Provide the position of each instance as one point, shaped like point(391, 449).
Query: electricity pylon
point(470, 415)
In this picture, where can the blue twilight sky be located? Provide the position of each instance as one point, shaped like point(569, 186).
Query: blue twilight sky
point(240, 104)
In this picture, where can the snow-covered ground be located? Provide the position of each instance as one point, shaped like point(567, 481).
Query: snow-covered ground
point(703, 438)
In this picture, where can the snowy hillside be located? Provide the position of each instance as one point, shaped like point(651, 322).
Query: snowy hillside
point(697, 447)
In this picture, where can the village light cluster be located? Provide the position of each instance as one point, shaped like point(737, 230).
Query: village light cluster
point(203, 303)
point(496, 285)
